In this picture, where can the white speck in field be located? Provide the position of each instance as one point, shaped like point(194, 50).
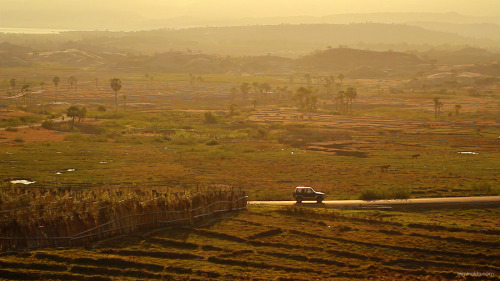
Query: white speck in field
point(22, 182)
point(59, 152)
point(468, 152)
point(58, 173)
point(292, 152)
point(103, 162)
point(71, 170)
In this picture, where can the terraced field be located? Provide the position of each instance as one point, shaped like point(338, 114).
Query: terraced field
point(286, 243)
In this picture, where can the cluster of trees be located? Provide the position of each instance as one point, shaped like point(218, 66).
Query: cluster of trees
point(344, 100)
point(438, 104)
point(75, 111)
point(306, 98)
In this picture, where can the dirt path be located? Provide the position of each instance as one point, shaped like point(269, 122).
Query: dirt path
point(415, 201)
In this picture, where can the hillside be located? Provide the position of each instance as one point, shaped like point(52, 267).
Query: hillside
point(283, 40)
point(347, 59)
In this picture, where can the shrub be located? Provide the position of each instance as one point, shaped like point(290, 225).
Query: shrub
point(213, 142)
point(485, 188)
point(373, 194)
point(19, 139)
point(210, 118)
point(101, 108)
point(183, 137)
point(401, 192)
point(48, 124)
point(11, 129)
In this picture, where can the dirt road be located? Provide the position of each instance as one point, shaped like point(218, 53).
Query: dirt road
point(372, 204)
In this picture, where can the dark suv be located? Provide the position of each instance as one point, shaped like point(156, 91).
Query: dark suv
point(303, 193)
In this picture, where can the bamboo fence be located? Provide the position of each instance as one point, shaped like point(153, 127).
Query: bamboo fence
point(80, 222)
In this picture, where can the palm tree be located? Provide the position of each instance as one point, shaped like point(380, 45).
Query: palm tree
point(25, 91)
point(42, 84)
point(341, 78)
point(56, 81)
point(342, 102)
point(351, 94)
point(116, 85)
point(12, 84)
point(457, 109)
point(124, 102)
point(437, 107)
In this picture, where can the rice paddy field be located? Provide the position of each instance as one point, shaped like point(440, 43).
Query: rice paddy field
point(286, 243)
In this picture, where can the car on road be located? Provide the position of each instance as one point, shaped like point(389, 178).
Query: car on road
point(306, 193)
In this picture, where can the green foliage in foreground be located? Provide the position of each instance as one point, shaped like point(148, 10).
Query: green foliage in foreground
point(379, 193)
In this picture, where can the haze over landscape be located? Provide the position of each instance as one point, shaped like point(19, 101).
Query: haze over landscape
point(249, 140)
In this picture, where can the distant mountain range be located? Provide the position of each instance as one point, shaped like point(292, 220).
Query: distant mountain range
point(355, 63)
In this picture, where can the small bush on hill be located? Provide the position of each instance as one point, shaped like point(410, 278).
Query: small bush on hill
point(210, 118)
point(213, 142)
point(48, 124)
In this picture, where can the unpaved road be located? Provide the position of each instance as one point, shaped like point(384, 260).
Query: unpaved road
point(416, 201)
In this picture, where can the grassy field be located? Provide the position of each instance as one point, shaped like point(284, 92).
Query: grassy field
point(179, 135)
point(266, 151)
point(286, 243)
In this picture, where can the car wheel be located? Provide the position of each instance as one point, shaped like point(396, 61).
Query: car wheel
point(299, 200)
point(319, 199)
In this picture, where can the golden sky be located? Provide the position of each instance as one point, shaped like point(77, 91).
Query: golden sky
point(261, 8)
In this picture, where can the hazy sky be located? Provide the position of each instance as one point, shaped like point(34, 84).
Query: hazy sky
point(150, 14)
point(259, 8)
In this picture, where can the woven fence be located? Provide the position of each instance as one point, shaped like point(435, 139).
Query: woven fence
point(77, 228)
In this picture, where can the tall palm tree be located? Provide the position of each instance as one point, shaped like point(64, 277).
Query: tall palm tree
point(341, 78)
point(25, 91)
point(116, 85)
point(437, 107)
point(342, 102)
point(351, 95)
point(124, 102)
point(12, 84)
point(56, 81)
